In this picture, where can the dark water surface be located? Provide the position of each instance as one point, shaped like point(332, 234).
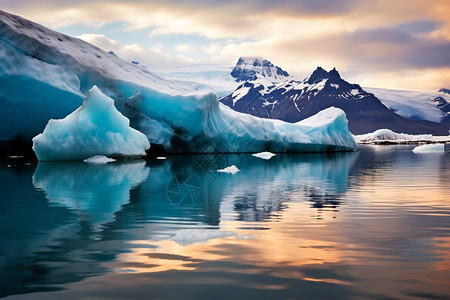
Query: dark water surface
point(373, 224)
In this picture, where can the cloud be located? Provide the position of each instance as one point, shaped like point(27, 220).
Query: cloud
point(153, 57)
point(371, 37)
point(184, 48)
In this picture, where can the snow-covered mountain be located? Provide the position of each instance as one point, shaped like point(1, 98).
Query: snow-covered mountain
point(46, 75)
point(252, 68)
point(294, 100)
point(431, 106)
point(445, 91)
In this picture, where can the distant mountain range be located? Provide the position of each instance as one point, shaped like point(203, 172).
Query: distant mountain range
point(293, 100)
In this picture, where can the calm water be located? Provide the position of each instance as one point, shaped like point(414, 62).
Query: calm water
point(374, 224)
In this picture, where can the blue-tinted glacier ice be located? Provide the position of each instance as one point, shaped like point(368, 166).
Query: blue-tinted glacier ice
point(95, 128)
point(52, 73)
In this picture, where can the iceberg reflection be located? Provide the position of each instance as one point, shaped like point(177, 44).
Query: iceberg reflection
point(94, 192)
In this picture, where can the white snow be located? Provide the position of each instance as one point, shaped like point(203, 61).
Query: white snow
point(318, 86)
point(387, 135)
point(99, 159)
point(355, 92)
point(95, 128)
point(411, 104)
point(264, 155)
point(240, 93)
point(336, 86)
point(432, 148)
point(161, 157)
point(231, 169)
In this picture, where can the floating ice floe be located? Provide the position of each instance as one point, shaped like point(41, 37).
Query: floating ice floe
point(95, 128)
point(432, 148)
point(264, 155)
point(99, 159)
point(231, 169)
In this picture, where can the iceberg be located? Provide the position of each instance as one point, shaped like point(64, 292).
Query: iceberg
point(95, 128)
point(99, 160)
point(264, 155)
point(53, 73)
point(434, 148)
point(231, 169)
point(389, 136)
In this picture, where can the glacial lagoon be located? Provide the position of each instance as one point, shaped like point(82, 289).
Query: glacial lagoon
point(370, 224)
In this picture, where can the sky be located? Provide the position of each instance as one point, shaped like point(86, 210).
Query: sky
point(398, 44)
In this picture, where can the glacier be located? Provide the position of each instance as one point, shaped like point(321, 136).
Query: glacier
point(95, 128)
point(389, 136)
point(53, 73)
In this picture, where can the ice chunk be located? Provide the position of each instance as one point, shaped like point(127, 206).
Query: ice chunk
point(386, 135)
point(99, 159)
point(432, 148)
point(218, 128)
point(231, 169)
point(95, 128)
point(264, 155)
point(161, 157)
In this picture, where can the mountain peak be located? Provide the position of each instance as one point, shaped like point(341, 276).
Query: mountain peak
point(445, 91)
point(320, 74)
point(250, 68)
point(334, 74)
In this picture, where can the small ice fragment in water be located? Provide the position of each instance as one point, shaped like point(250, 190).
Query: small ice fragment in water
point(231, 169)
point(99, 159)
point(264, 155)
point(432, 148)
point(161, 157)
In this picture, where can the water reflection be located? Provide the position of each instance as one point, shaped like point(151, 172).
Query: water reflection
point(316, 225)
point(94, 192)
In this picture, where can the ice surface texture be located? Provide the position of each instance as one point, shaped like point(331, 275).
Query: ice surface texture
point(95, 128)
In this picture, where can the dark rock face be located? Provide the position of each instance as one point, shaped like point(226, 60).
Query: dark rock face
point(293, 101)
point(446, 91)
point(248, 68)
